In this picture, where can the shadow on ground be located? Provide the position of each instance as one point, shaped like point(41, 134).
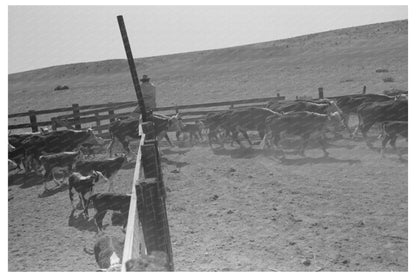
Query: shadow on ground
point(81, 223)
point(238, 153)
point(322, 160)
point(175, 163)
point(53, 191)
point(25, 180)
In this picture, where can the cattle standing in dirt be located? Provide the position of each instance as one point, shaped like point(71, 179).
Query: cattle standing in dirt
point(371, 113)
point(389, 132)
point(128, 128)
point(108, 167)
point(303, 124)
point(83, 185)
point(109, 201)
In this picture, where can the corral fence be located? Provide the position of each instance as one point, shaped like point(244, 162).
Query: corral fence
point(99, 117)
point(147, 227)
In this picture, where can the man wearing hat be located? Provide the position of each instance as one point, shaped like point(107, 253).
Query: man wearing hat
point(149, 94)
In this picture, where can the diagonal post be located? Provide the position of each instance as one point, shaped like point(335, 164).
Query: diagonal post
point(132, 67)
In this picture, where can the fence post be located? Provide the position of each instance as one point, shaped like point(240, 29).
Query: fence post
point(54, 125)
point(75, 109)
point(364, 89)
point(111, 112)
point(33, 121)
point(321, 93)
point(98, 122)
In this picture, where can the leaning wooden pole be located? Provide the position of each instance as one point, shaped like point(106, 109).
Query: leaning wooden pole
point(132, 67)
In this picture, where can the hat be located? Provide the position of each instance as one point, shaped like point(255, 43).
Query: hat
point(145, 78)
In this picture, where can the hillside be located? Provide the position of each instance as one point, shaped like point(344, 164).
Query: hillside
point(341, 61)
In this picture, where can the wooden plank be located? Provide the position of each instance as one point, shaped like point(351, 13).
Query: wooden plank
point(75, 111)
point(29, 125)
point(98, 123)
point(68, 109)
point(215, 104)
point(118, 107)
point(127, 104)
point(33, 121)
point(134, 244)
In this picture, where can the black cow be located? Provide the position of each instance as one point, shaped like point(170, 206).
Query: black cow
point(241, 120)
point(129, 128)
point(109, 201)
point(371, 113)
point(303, 124)
point(321, 106)
point(389, 132)
point(349, 103)
point(108, 167)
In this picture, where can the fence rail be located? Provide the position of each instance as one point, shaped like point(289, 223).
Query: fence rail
point(98, 117)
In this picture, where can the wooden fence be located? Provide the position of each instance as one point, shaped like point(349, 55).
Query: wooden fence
point(99, 117)
point(147, 227)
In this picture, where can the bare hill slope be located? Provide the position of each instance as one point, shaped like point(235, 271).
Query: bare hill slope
point(341, 61)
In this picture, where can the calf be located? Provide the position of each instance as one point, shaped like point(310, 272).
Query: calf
point(108, 168)
point(156, 261)
point(303, 124)
point(83, 185)
point(194, 130)
point(109, 201)
point(389, 132)
point(51, 161)
point(108, 252)
point(378, 112)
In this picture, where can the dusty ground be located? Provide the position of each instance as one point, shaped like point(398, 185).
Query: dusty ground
point(243, 210)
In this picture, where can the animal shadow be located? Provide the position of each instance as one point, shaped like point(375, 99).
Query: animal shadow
point(81, 223)
point(25, 180)
point(238, 153)
point(50, 192)
point(175, 163)
point(323, 160)
point(168, 151)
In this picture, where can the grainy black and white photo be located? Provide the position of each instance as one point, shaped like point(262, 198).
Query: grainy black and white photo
point(262, 138)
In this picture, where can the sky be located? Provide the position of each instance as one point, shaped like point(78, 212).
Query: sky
point(42, 36)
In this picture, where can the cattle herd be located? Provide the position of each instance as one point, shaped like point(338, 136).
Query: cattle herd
point(45, 152)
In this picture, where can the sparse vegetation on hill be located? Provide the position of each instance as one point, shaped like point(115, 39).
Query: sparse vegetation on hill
point(294, 66)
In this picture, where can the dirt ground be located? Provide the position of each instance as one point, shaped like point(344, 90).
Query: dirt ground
point(245, 209)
